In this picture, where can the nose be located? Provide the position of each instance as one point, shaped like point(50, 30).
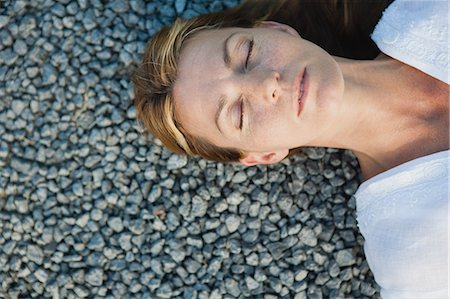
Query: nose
point(263, 85)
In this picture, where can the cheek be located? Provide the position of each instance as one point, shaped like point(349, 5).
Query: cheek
point(272, 57)
point(267, 126)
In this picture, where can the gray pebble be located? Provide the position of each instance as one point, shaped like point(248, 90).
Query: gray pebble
point(3, 21)
point(35, 254)
point(239, 177)
point(232, 287)
point(277, 249)
point(235, 198)
point(232, 222)
point(164, 291)
point(81, 291)
point(345, 257)
point(308, 237)
point(116, 224)
point(88, 20)
point(8, 57)
point(199, 207)
point(124, 241)
point(8, 247)
point(176, 162)
point(180, 5)
point(251, 283)
point(41, 275)
point(20, 47)
point(83, 220)
point(49, 74)
point(18, 106)
point(96, 242)
point(77, 189)
point(192, 266)
point(94, 277)
point(250, 235)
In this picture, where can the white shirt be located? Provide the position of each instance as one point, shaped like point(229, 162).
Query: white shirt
point(403, 213)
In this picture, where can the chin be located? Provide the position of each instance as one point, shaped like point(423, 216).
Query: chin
point(328, 92)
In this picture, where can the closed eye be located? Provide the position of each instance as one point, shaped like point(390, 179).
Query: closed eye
point(250, 51)
point(242, 115)
point(249, 55)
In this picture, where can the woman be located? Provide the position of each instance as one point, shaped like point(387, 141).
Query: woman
point(229, 89)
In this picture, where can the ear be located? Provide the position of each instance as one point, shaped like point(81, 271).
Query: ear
point(254, 158)
point(279, 26)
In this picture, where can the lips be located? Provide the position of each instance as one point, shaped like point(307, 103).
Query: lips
point(300, 91)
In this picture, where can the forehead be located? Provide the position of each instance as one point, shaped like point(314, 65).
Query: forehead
point(203, 45)
point(200, 72)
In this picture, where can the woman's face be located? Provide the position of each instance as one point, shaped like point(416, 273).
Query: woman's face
point(255, 73)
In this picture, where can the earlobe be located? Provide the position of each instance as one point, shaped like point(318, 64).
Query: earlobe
point(279, 26)
point(255, 158)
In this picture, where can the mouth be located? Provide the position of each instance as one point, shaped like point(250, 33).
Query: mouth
point(301, 91)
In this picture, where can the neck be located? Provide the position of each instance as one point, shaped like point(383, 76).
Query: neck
point(382, 118)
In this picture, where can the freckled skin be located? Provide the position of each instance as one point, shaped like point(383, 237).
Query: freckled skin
point(383, 110)
point(270, 116)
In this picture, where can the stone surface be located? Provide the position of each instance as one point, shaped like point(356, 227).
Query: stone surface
point(93, 207)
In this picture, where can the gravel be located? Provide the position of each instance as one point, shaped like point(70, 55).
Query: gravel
point(91, 207)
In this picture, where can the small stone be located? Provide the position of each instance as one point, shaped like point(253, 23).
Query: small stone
point(35, 254)
point(92, 160)
point(164, 291)
point(250, 236)
point(192, 266)
point(94, 277)
point(285, 204)
point(300, 275)
point(89, 20)
point(235, 198)
point(199, 207)
point(49, 74)
point(20, 47)
point(41, 275)
point(239, 177)
point(252, 259)
point(8, 57)
point(232, 222)
point(116, 224)
point(8, 247)
point(277, 249)
point(17, 106)
point(68, 22)
point(367, 289)
point(232, 287)
point(195, 241)
point(119, 6)
point(345, 257)
point(96, 214)
point(81, 291)
point(83, 220)
point(287, 277)
point(32, 72)
point(308, 237)
point(96, 242)
point(3, 21)
point(180, 5)
point(126, 58)
point(176, 162)
point(251, 283)
point(124, 241)
point(77, 189)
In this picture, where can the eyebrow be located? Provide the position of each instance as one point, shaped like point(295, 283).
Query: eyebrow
point(226, 52)
point(219, 110)
point(227, 61)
